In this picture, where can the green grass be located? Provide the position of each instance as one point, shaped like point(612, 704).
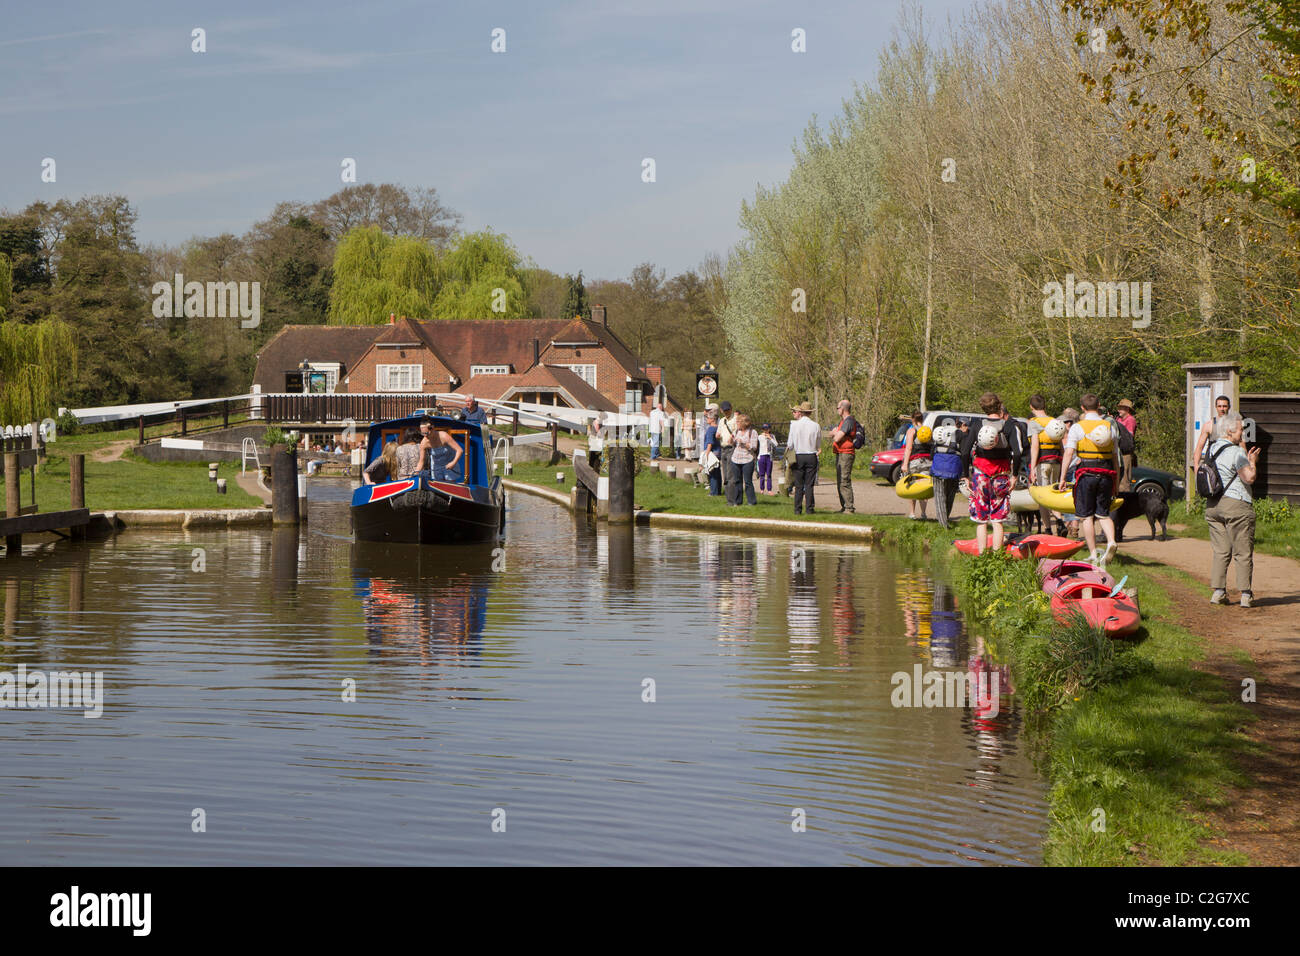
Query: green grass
point(1277, 528)
point(655, 492)
point(135, 484)
point(1128, 727)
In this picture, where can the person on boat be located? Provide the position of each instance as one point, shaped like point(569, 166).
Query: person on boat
point(1045, 450)
point(917, 443)
point(410, 454)
point(1231, 516)
point(1096, 478)
point(441, 451)
point(383, 468)
point(994, 452)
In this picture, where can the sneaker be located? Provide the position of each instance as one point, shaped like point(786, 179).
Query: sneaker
point(1108, 553)
point(1245, 598)
point(1094, 557)
point(1219, 596)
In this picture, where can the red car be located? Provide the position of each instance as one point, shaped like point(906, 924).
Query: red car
point(889, 464)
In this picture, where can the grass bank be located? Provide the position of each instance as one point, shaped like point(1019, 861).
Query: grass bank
point(130, 482)
point(1135, 742)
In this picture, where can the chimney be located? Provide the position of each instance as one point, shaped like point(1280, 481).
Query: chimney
point(392, 318)
point(537, 351)
point(598, 315)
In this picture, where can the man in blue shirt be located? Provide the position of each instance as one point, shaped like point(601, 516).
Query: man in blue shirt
point(473, 411)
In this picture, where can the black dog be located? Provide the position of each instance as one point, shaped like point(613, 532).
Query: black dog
point(1152, 506)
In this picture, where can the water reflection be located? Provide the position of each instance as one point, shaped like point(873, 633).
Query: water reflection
point(429, 600)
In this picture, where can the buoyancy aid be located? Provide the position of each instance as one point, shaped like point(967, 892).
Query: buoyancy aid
point(1049, 449)
point(1091, 458)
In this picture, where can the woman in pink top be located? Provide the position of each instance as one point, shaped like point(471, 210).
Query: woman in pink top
point(744, 457)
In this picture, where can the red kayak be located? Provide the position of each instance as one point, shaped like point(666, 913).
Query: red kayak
point(1029, 545)
point(1118, 616)
point(1056, 573)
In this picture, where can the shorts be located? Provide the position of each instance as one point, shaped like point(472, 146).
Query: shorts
point(990, 496)
point(1048, 473)
point(1092, 495)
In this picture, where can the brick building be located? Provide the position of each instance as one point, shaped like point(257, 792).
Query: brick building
point(579, 363)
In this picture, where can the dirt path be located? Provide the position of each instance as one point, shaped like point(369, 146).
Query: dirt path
point(113, 451)
point(1263, 821)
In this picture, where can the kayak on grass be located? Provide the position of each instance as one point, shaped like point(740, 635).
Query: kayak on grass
point(918, 487)
point(1054, 581)
point(1118, 616)
point(1028, 545)
point(1061, 568)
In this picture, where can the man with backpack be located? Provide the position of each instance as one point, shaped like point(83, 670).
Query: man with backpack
point(846, 439)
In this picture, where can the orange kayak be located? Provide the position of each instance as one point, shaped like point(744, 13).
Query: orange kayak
point(1118, 616)
point(1029, 545)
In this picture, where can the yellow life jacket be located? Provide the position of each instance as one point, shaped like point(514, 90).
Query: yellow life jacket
point(1046, 446)
point(1086, 447)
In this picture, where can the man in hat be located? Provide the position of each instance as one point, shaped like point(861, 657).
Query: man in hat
point(805, 441)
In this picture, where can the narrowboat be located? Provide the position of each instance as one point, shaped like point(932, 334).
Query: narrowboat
point(464, 505)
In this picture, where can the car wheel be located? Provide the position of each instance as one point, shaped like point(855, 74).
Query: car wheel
point(1151, 488)
point(895, 473)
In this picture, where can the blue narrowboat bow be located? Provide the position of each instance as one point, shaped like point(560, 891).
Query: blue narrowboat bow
point(467, 504)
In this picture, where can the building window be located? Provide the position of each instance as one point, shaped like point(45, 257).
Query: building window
point(585, 372)
point(632, 401)
point(399, 378)
point(331, 371)
point(488, 370)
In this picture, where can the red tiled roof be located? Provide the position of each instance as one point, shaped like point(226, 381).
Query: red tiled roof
point(467, 342)
point(316, 343)
point(543, 378)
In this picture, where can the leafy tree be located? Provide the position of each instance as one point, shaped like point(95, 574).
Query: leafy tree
point(575, 301)
point(482, 279)
point(376, 274)
point(35, 360)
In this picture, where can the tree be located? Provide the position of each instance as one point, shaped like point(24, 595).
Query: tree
point(394, 210)
point(575, 302)
point(35, 359)
point(482, 279)
point(376, 274)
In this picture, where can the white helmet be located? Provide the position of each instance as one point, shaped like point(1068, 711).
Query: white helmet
point(1056, 429)
point(1102, 437)
point(988, 437)
point(945, 435)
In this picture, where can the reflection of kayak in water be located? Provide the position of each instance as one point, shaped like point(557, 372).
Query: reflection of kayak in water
point(1028, 545)
point(917, 487)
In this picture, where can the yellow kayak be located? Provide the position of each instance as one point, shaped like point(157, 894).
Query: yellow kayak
point(1062, 501)
point(917, 487)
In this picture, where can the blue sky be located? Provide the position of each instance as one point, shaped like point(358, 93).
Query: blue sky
point(543, 142)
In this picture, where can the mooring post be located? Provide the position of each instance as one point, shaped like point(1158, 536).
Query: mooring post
point(622, 480)
point(555, 442)
point(515, 429)
point(225, 414)
point(141, 437)
point(13, 505)
point(77, 481)
point(284, 485)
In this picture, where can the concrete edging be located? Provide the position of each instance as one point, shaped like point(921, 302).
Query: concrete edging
point(667, 519)
point(191, 518)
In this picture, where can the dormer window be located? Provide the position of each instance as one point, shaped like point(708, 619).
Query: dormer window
point(488, 370)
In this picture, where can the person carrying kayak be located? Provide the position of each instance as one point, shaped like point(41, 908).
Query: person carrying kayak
point(1045, 449)
point(994, 452)
point(1096, 477)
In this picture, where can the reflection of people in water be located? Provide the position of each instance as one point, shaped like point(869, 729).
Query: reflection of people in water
point(737, 602)
point(991, 684)
point(802, 615)
point(914, 591)
point(845, 617)
point(440, 616)
point(945, 628)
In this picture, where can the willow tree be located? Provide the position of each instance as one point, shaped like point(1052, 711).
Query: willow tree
point(483, 278)
point(376, 274)
point(35, 361)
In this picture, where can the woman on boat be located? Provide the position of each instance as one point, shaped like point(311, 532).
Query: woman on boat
point(384, 467)
point(410, 454)
point(444, 453)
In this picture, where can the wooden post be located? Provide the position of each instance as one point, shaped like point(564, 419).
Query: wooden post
point(180, 412)
point(77, 480)
point(141, 436)
point(555, 442)
point(13, 502)
point(225, 414)
point(622, 480)
point(515, 430)
point(284, 486)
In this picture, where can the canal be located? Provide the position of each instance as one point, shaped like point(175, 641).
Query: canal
point(570, 697)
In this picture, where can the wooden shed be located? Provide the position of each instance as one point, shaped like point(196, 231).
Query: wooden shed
point(1277, 431)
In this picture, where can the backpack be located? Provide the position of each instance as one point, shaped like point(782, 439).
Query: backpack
point(1209, 483)
point(1123, 438)
point(859, 435)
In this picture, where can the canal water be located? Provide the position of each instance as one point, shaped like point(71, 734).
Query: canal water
point(573, 696)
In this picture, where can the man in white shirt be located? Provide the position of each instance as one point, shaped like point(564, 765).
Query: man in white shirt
point(805, 441)
point(656, 430)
